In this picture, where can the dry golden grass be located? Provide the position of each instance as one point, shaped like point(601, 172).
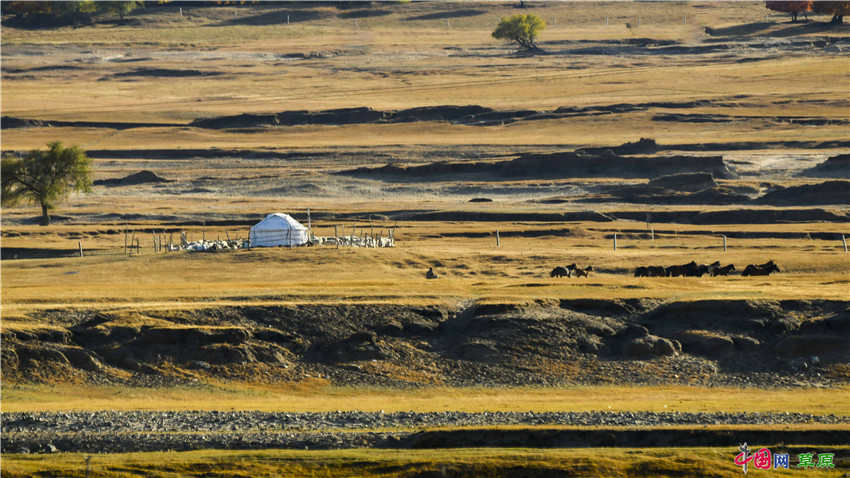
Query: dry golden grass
point(313, 397)
point(393, 63)
point(611, 462)
point(470, 268)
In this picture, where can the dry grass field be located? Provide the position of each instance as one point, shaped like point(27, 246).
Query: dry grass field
point(316, 397)
point(612, 462)
point(704, 80)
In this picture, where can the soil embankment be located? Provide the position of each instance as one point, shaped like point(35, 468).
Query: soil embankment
point(834, 167)
point(578, 164)
point(553, 343)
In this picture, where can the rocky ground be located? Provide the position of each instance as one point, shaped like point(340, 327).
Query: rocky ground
point(116, 431)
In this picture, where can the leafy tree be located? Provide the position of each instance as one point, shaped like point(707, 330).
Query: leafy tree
point(521, 29)
point(792, 8)
point(836, 9)
point(45, 177)
point(68, 11)
point(24, 9)
point(74, 10)
point(119, 8)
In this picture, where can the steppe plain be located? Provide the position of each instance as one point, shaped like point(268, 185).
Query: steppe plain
point(394, 116)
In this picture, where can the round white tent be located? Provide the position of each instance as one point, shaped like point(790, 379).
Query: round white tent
point(278, 230)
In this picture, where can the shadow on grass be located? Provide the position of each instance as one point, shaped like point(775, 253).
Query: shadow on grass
point(446, 15)
point(772, 30)
point(366, 13)
point(277, 17)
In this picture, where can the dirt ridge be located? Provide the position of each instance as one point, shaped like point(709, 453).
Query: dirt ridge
point(571, 341)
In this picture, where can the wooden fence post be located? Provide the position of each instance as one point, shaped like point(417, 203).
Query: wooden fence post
point(724, 243)
point(81, 248)
point(844, 240)
point(125, 239)
point(336, 237)
point(615, 241)
point(497, 238)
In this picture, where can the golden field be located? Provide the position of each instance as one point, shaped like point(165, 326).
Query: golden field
point(737, 80)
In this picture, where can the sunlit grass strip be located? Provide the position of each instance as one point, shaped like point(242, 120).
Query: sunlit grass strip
point(313, 397)
point(610, 462)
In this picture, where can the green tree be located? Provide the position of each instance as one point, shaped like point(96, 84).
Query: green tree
point(521, 29)
point(119, 8)
point(74, 10)
point(45, 177)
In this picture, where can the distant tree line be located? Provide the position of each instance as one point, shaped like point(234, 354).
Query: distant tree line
point(836, 9)
point(53, 13)
point(68, 12)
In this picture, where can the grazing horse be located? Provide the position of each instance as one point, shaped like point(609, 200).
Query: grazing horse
point(431, 274)
point(642, 272)
point(688, 270)
point(708, 268)
point(762, 270)
point(583, 272)
point(656, 271)
point(722, 271)
point(560, 271)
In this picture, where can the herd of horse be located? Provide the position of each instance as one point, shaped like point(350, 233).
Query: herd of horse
point(570, 270)
point(691, 269)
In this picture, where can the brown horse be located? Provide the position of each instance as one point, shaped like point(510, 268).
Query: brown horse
point(583, 272)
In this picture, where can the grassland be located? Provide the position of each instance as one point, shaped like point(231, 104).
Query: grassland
point(516, 271)
point(575, 462)
point(164, 71)
point(315, 397)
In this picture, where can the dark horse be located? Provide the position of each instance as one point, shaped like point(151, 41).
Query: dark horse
point(722, 271)
point(560, 271)
point(762, 270)
point(688, 270)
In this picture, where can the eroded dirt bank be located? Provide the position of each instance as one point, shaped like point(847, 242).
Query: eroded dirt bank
point(555, 342)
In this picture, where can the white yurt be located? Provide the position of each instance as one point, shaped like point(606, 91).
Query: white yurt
point(278, 229)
